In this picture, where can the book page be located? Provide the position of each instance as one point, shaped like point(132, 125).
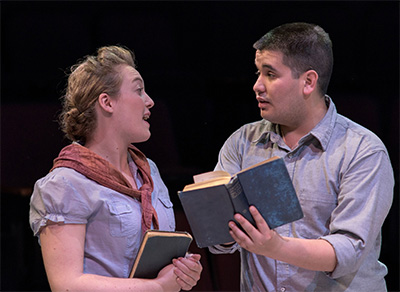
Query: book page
point(162, 233)
point(210, 176)
point(207, 183)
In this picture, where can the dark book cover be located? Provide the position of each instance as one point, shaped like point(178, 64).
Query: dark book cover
point(270, 189)
point(267, 186)
point(157, 250)
point(208, 212)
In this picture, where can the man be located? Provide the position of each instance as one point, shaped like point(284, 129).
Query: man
point(340, 170)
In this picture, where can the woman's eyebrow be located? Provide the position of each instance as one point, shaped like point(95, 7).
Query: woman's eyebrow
point(137, 78)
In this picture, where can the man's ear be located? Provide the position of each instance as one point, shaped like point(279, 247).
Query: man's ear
point(310, 81)
point(106, 102)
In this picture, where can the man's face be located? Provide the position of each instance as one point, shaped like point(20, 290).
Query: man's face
point(279, 95)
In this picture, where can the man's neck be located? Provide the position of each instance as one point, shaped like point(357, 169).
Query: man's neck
point(291, 134)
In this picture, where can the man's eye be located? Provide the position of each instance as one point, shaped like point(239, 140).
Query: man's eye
point(268, 74)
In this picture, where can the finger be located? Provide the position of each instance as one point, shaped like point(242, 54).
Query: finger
point(185, 281)
point(248, 229)
point(238, 235)
point(190, 264)
point(193, 257)
point(184, 286)
point(188, 270)
point(261, 224)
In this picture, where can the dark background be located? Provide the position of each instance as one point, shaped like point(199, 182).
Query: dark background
point(197, 61)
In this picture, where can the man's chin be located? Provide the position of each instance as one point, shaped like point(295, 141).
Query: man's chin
point(265, 115)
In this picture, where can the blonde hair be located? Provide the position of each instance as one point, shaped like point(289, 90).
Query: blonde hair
point(88, 79)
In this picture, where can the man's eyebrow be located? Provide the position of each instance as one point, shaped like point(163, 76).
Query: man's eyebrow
point(263, 66)
point(266, 66)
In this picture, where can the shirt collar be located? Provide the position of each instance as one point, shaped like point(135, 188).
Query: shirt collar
point(322, 131)
point(267, 129)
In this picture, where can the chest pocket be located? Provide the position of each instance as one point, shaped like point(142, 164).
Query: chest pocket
point(317, 208)
point(124, 221)
point(168, 210)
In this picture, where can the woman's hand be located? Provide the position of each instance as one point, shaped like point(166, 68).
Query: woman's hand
point(167, 279)
point(63, 254)
point(182, 274)
point(187, 271)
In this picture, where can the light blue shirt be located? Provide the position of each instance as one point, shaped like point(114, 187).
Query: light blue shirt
point(113, 220)
point(344, 180)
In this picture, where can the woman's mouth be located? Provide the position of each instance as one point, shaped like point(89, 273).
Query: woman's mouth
point(146, 117)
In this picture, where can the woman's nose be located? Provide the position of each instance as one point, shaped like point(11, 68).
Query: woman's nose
point(148, 101)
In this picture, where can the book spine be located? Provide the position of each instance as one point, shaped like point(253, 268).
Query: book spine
point(239, 200)
point(235, 189)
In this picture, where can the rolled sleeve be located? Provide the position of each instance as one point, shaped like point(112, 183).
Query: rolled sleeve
point(345, 255)
point(364, 202)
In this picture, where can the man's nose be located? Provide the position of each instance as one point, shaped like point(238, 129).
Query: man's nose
point(258, 86)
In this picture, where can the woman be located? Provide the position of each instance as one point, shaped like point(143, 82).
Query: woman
point(102, 193)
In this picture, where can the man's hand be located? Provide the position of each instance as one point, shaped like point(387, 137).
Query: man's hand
point(311, 254)
point(261, 240)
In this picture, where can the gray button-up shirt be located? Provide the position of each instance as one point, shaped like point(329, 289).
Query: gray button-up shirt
point(113, 220)
point(344, 180)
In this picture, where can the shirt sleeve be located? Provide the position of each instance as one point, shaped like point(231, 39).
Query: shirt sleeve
point(229, 161)
point(220, 249)
point(364, 200)
point(229, 158)
point(57, 198)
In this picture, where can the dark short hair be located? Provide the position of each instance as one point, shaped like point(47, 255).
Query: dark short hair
point(304, 46)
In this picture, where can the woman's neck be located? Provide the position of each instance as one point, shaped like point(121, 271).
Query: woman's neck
point(115, 153)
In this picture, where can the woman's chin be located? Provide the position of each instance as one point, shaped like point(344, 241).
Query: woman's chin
point(142, 138)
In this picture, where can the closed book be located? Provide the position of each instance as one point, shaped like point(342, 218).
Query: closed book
point(157, 250)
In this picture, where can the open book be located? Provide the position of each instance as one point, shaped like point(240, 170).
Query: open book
point(157, 250)
point(211, 202)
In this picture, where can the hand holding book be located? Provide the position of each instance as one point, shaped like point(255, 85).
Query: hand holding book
point(211, 202)
point(157, 250)
point(192, 267)
point(257, 239)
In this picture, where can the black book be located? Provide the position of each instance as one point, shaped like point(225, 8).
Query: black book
point(211, 202)
point(157, 250)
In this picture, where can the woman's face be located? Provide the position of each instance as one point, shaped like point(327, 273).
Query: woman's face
point(132, 107)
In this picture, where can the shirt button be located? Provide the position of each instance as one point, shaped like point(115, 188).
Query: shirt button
point(283, 289)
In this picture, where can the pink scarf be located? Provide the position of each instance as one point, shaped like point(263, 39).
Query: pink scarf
point(101, 171)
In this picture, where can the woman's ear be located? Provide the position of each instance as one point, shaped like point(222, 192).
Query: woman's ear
point(310, 81)
point(106, 102)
